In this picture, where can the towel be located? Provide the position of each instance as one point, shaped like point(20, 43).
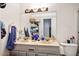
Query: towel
point(11, 38)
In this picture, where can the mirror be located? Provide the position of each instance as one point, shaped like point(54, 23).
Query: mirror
point(43, 23)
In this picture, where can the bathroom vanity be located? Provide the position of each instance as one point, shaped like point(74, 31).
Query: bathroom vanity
point(44, 24)
point(36, 48)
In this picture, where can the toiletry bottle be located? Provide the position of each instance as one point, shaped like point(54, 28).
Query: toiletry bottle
point(43, 38)
point(73, 38)
point(68, 41)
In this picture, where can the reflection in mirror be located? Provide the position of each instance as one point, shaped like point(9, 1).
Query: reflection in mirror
point(43, 24)
point(47, 27)
point(34, 26)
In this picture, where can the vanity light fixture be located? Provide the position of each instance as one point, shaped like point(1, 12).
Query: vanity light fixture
point(31, 11)
point(43, 9)
point(34, 10)
point(2, 5)
point(39, 10)
point(27, 11)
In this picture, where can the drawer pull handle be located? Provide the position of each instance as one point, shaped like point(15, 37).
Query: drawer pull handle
point(31, 49)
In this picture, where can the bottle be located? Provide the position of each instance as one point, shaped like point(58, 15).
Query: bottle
point(43, 38)
point(73, 38)
point(68, 41)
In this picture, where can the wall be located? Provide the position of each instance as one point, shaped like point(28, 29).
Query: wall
point(66, 19)
point(9, 15)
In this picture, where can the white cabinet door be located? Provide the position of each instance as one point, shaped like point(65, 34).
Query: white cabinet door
point(41, 54)
point(48, 49)
point(18, 53)
point(13, 53)
point(52, 54)
point(30, 54)
point(20, 47)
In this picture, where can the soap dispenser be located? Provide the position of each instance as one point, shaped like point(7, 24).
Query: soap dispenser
point(73, 39)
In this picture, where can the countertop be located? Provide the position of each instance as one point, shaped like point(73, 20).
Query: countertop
point(32, 42)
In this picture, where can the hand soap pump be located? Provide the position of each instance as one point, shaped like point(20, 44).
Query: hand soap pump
point(72, 39)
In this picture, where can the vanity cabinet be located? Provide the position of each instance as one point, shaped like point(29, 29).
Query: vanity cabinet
point(23, 50)
point(19, 50)
point(48, 50)
point(42, 54)
point(20, 47)
point(17, 53)
point(35, 50)
point(31, 50)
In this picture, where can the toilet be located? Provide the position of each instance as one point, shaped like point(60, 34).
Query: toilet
point(69, 49)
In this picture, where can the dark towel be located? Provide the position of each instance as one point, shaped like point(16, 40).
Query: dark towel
point(3, 33)
point(11, 38)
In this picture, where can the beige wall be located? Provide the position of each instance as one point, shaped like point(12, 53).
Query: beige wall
point(66, 19)
point(66, 22)
point(9, 15)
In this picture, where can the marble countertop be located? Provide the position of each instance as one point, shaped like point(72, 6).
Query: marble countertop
point(32, 42)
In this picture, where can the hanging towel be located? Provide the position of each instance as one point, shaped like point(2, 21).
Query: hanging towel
point(11, 38)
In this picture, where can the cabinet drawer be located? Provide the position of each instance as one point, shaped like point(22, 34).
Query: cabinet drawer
point(13, 53)
point(22, 53)
point(49, 49)
point(20, 47)
point(31, 48)
point(17, 53)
